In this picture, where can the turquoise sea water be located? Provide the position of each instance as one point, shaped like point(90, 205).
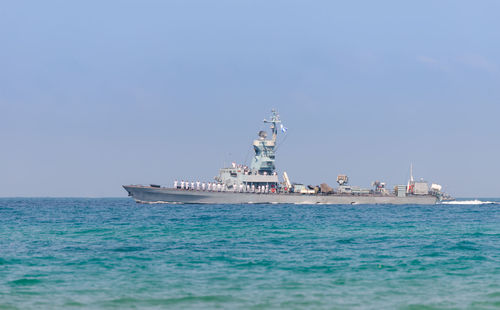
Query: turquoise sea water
point(114, 253)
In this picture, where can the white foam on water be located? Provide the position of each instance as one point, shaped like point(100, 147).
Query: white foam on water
point(468, 202)
point(159, 202)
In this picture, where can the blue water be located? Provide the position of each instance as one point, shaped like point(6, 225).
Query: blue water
point(114, 253)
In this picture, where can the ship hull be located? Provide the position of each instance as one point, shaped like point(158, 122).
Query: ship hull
point(149, 194)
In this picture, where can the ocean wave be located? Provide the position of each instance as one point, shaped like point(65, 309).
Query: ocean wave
point(469, 202)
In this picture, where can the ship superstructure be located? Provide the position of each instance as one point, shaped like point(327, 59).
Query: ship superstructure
point(259, 183)
point(262, 171)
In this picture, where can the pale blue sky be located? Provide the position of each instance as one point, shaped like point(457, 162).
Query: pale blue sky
point(96, 94)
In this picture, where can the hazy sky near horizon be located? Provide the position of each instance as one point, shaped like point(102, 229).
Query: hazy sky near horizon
point(96, 94)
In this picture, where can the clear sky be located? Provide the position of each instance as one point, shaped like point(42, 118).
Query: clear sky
point(96, 94)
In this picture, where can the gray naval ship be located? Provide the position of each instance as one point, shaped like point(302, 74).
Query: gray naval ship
point(259, 183)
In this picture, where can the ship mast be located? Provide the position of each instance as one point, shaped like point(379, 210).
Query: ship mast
point(275, 120)
point(263, 161)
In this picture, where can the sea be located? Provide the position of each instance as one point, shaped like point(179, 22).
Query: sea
point(74, 253)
